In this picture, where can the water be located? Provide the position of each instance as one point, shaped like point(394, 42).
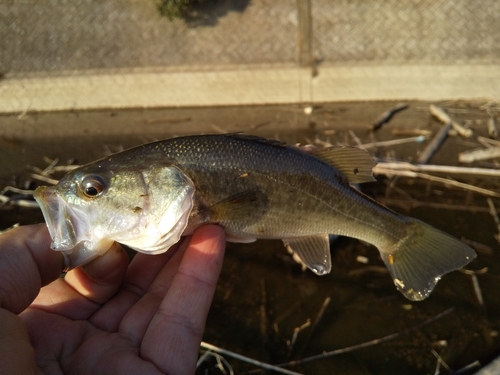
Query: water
point(263, 295)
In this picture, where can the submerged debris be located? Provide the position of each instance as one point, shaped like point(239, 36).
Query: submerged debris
point(479, 154)
point(492, 128)
point(434, 145)
point(494, 214)
point(410, 170)
point(475, 283)
point(387, 116)
point(240, 357)
point(442, 116)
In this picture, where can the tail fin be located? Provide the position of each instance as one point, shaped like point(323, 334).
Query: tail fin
point(417, 262)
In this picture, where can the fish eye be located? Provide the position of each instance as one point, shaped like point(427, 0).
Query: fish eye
point(93, 186)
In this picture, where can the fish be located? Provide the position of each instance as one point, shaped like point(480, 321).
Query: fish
point(151, 195)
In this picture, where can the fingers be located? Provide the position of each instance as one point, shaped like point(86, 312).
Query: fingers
point(173, 337)
point(131, 306)
point(26, 264)
point(135, 323)
point(100, 279)
point(17, 354)
point(84, 289)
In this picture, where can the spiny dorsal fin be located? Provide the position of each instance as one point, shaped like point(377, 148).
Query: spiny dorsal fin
point(354, 163)
point(256, 138)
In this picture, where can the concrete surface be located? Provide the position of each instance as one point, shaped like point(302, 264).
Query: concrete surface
point(89, 54)
point(252, 86)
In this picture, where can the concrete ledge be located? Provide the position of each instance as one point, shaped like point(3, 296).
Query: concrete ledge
point(100, 90)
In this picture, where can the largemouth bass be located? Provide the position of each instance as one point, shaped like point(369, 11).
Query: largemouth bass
point(149, 196)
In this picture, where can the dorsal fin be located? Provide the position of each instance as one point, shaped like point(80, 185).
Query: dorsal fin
point(256, 138)
point(354, 163)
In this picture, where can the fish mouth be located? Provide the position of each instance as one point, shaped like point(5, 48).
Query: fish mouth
point(67, 225)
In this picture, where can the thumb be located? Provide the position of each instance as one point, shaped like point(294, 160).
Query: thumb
point(100, 279)
point(26, 264)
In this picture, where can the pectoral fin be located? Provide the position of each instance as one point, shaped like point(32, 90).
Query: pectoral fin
point(313, 251)
point(240, 206)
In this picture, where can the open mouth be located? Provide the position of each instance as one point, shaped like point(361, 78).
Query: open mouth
point(69, 229)
point(60, 219)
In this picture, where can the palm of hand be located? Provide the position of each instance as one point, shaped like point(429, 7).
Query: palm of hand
point(146, 318)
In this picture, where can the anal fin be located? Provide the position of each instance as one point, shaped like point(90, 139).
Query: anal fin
point(313, 251)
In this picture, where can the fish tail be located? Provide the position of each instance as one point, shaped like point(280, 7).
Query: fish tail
point(417, 261)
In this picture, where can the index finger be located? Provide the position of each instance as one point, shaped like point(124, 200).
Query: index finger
point(173, 337)
point(26, 264)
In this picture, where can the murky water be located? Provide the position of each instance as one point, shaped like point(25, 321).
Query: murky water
point(262, 295)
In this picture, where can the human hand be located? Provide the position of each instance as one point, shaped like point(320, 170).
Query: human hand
point(107, 317)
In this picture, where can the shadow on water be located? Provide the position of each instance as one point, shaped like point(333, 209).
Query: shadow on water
point(263, 295)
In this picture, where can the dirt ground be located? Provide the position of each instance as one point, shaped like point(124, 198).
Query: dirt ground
point(262, 295)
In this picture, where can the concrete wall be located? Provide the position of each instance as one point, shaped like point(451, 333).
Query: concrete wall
point(58, 55)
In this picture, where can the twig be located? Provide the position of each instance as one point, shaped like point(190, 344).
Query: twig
point(17, 202)
point(367, 343)
point(168, 120)
point(16, 190)
point(229, 353)
point(442, 116)
point(50, 167)
point(203, 358)
point(315, 324)
point(383, 167)
point(472, 365)
point(408, 173)
point(362, 259)
point(479, 247)
point(65, 168)
point(46, 179)
point(321, 312)
point(414, 203)
point(492, 128)
point(321, 143)
point(487, 142)
point(475, 283)
point(494, 214)
point(479, 154)
point(218, 129)
point(221, 362)
point(295, 334)
point(24, 112)
point(393, 142)
point(54, 169)
point(477, 290)
point(440, 362)
point(9, 228)
point(434, 144)
point(387, 116)
point(260, 124)
point(356, 139)
point(410, 132)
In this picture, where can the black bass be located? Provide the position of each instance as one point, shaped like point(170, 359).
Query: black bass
point(149, 196)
